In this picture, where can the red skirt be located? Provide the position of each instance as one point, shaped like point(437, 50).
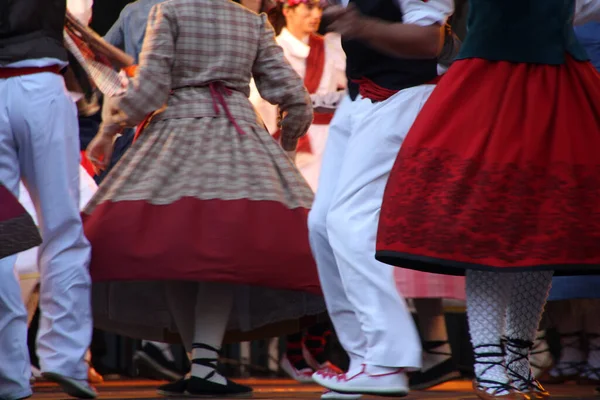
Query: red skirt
point(500, 172)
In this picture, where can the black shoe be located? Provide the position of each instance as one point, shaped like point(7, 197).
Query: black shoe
point(436, 375)
point(174, 389)
point(199, 387)
point(151, 363)
point(203, 387)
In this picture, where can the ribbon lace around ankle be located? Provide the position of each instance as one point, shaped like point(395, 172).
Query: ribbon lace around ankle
point(498, 388)
point(519, 350)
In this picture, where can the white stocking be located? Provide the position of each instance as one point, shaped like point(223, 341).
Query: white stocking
point(488, 294)
point(529, 294)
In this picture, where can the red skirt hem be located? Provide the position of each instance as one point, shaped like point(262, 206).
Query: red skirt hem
point(259, 243)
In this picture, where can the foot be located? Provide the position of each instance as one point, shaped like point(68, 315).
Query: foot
point(439, 367)
point(331, 395)
point(94, 377)
point(173, 389)
point(151, 363)
point(519, 369)
point(393, 384)
point(589, 376)
point(536, 391)
point(489, 390)
point(540, 356)
point(80, 389)
point(198, 387)
point(302, 375)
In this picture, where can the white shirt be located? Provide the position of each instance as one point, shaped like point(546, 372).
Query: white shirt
point(419, 12)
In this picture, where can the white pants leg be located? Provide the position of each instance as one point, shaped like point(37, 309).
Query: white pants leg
point(44, 124)
point(341, 311)
point(15, 368)
point(377, 133)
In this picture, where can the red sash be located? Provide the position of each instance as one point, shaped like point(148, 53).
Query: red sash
point(315, 64)
point(372, 91)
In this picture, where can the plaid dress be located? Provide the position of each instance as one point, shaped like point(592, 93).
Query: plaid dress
point(205, 193)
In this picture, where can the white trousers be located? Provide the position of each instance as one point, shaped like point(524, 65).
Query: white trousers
point(39, 143)
point(370, 316)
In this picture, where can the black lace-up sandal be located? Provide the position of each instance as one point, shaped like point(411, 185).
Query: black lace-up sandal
point(528, 385)
point(202, 387)
point(487, 389)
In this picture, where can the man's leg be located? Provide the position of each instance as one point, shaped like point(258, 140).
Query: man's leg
point(378, 132)
point(49, 160)
point(14, 354)
point(340, 309)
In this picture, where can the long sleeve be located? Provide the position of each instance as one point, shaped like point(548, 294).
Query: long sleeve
point(587, 11)
point(279, 84)
point(149, 90)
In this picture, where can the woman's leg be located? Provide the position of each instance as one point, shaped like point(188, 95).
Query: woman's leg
point(488, 295)
point(529, 294)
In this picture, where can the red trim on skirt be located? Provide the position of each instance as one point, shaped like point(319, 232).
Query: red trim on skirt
point(261, 243)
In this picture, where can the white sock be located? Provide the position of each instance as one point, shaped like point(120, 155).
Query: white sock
point(213, 307)
point(204, 364)
point(488, 294)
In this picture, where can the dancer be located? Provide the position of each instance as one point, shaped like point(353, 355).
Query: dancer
point(392, 66)
point(483, 192)
point(27, 266)
point(321, 62)
point(200, 181)
point(40, 121)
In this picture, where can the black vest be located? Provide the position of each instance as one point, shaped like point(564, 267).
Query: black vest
point(386, 71)
point(522, 31)
point(31, 29)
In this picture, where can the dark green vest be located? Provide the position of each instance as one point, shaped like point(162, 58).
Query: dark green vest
point(522, 31)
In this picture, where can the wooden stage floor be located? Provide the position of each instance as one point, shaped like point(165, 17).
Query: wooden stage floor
point(288, 389)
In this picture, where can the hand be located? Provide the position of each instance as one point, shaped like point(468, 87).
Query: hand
point(124, 79)
point(347, 21)
point(99, 151)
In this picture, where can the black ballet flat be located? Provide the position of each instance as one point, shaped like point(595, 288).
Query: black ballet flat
point(199, 387)
point(173, 389)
